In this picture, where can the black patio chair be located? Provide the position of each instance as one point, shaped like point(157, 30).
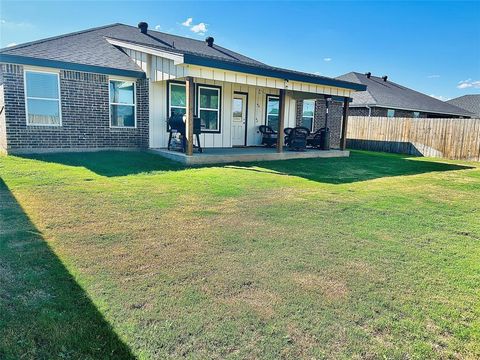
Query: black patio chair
point(269, 136)
point(297, 138)
point(314, 140)
point(287, 132)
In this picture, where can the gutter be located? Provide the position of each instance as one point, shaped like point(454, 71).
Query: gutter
point(369, 111)
point(419, 110)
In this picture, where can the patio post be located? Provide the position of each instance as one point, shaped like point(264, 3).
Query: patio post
point(343, 140)
point(281, 121)
point(190, 91)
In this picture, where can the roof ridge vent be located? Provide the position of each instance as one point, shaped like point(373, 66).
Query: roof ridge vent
point(368, 74)
point(143, 26)
point(384, 78)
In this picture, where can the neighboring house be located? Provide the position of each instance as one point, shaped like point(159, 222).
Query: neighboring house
point(388, 99)
point(115, 86)
point(470, 103)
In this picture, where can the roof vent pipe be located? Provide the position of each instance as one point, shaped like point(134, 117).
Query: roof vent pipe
point(385, 77)
point(368, 74)
point(209, 40)
point(143, 26)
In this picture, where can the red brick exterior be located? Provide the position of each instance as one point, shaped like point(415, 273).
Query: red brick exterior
point(85, 115)
point(335, 115)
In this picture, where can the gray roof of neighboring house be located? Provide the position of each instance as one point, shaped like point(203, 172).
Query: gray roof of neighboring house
point(468, 102)
point(91, 48)
point(388, 94)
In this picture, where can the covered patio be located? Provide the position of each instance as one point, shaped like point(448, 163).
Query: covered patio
point(245, 154)
point(227, 104)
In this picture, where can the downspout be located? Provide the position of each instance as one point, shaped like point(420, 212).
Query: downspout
point(369, 110)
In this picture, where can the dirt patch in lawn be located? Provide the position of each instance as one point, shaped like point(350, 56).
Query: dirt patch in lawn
point(261, 301)
point(330, 287)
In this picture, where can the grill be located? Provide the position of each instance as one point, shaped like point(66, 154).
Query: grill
point(176, 124)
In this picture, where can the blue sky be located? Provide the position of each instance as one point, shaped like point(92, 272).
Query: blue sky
point(432, 47)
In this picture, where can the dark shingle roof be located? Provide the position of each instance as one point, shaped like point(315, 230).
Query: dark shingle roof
point(395, 96)
point(468, 102)
point(90, 47)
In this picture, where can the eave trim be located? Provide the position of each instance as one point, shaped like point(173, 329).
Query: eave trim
point(275, 73)
point(177, 58)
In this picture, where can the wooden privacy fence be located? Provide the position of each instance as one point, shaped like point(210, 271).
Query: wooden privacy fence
point(448, 138)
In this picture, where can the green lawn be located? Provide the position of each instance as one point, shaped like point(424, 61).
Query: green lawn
point(128, 255)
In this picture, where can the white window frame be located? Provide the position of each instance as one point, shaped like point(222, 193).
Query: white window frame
point(313, 116)
point(393, 115)
point(59, 100)
point(112, 103)
point(218, 90)
point(266, 109)
point(170, 98)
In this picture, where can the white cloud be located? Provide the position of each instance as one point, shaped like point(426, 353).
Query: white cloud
point(11, 44)
point(439, 97)
point(200, 28)
point(433, 76)
point(12, 25)
point(187, 22)
point(469, 83)
point(157, 27)
point(316, 73)
point(327, 59)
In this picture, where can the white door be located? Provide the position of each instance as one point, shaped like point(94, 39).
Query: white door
point(239, 119)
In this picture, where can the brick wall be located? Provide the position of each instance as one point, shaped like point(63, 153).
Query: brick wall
point(85, 115)
point(357, 111)
point(335, 115)
point(382, 112)
point(3, 130)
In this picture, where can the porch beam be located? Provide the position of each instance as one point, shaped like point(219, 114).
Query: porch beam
point(190, 91)
point(343, 140)
point(281, 121)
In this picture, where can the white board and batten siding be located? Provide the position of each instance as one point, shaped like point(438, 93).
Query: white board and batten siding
point(165, 69)
point(160, 70)
point(256, 108)
point(140, 58)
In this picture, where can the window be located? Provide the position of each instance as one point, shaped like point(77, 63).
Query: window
point(416, 114)
point(390, 113)
point(42, 98)
point(122, 103)
point(308, 114)
point(273, 110)
point(177, 101)
point(209, 108)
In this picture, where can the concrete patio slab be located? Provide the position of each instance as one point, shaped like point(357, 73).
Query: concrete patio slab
point(245, 154)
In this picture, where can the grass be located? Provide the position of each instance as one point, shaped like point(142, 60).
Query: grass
point(127, 255)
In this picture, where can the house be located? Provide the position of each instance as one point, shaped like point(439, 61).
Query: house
point(114, 87)
point(385, 98)
point(470, 103)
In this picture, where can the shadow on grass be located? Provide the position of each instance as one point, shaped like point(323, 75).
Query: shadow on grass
point(111, 163)
point(44, 313)
point(360, 166)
